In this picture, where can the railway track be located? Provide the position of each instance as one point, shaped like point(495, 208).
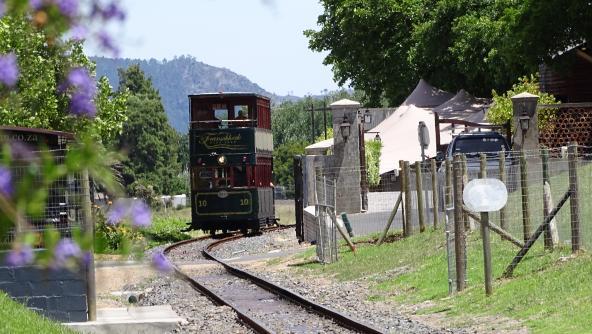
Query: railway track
point(260, 304)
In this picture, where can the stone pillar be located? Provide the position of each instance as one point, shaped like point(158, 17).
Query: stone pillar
point(525, 117)
point(346, 156)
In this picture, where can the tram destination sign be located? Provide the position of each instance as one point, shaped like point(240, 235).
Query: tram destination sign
point(222, 141)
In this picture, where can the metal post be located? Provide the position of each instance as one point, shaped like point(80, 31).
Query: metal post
point(485, 234)
point(325, 117)
point(546, 209)
point(459, 226)
point(574, 197)
point(89, 229)
point(503, 178)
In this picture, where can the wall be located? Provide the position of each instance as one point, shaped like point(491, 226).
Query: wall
point(56, 294)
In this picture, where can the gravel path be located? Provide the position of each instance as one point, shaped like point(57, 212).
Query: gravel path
point(275, 241)
point(273, 312)
point(201, 314)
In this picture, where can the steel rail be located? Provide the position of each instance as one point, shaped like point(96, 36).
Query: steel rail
point(252, 323)
point(321, 310)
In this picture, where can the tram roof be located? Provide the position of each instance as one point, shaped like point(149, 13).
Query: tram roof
point(228, 94)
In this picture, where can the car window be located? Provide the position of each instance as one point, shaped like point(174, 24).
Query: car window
point(479, 144)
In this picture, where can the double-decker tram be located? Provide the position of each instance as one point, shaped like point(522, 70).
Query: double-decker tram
point(230, 144)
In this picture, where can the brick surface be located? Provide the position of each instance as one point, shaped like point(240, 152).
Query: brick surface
point(37, 303)
point(73, 288)
point(16, 289)
point(47, 288)
point(71, 303)
point(6, 274)
point(78, 316)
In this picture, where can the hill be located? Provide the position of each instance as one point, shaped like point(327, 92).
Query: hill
point(181, 76)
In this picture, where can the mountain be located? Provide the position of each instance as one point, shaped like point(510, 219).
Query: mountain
point(177, 78)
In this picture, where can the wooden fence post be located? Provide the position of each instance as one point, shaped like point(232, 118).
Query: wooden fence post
point(435, 199)
point(89, 228)
point(420, 199)
point(469, 223)
point(459, 225)
point(524, 188)
point(574, 203)
point(408, 215)
point(504, 179)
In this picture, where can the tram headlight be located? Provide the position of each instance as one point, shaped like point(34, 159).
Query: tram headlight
point(221, 160)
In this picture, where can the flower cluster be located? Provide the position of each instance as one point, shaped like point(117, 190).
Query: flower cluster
point(6, 187)
point(138, 212)
point(20, 255)
point(161, 263)
point(9, 70)
point(83, 90)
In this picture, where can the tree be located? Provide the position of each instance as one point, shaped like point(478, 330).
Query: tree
point(283, 162)
point(151, 144)
point(384, 46)
point(38, 101)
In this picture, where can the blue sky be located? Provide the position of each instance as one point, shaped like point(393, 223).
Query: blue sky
point(260, 39)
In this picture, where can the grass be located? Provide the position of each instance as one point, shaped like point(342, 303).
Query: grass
point(18, 319)
point(548, 294)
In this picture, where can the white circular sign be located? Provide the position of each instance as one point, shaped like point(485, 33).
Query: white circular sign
point(485, 195)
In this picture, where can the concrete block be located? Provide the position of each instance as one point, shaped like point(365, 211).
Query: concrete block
point(71, 303)
point(55, 315)
point(47, 288)
point(78, 316)
point(37, 302)
point(6, 274)
point(16, 289)
point(73, 288)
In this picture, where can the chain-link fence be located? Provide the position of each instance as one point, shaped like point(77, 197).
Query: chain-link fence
point(63, 205)
point(547, 201)
point(326, 237)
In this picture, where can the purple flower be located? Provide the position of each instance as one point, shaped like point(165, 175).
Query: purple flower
point(6, 188)
point(86, 258)
point(82, 105)
point(2, 8)
point(161, 263)
point(80, 78)
point(81, 102)
point(106, 42)
point(78, 33)
point(68, 8)
point(117, 213)
point(19, 256)
point(65, 250)
point(113, 11)
point(36, 4)
point(9, 70)
point(140, 214)
point(21, 151)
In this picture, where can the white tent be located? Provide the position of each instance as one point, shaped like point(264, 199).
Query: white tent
point(427, 96)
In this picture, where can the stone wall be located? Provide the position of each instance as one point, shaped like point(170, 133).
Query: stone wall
point(57, 294)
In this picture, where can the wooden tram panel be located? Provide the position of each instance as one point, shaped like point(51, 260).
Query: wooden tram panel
point(231, 149)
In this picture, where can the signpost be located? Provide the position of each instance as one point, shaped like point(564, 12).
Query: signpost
point(484, 196)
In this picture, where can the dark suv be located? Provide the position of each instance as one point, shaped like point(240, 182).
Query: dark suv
point(475, 143)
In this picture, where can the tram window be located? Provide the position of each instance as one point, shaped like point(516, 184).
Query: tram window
point(221, 113)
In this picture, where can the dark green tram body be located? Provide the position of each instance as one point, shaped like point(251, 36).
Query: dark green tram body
point(231, 162)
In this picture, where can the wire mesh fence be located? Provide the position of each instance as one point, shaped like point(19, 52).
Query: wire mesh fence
point(63, 206)
point(326, 237)
point(536, 182)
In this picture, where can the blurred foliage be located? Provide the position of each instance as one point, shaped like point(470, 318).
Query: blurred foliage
point(119, 238)
point(37, 101)
point(166, 230)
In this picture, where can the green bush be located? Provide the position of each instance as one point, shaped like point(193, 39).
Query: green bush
point(119, 238)
point(373, 161)
point(166, 230)
point(501, 111)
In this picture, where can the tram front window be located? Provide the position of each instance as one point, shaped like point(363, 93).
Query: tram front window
point(220, 178)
